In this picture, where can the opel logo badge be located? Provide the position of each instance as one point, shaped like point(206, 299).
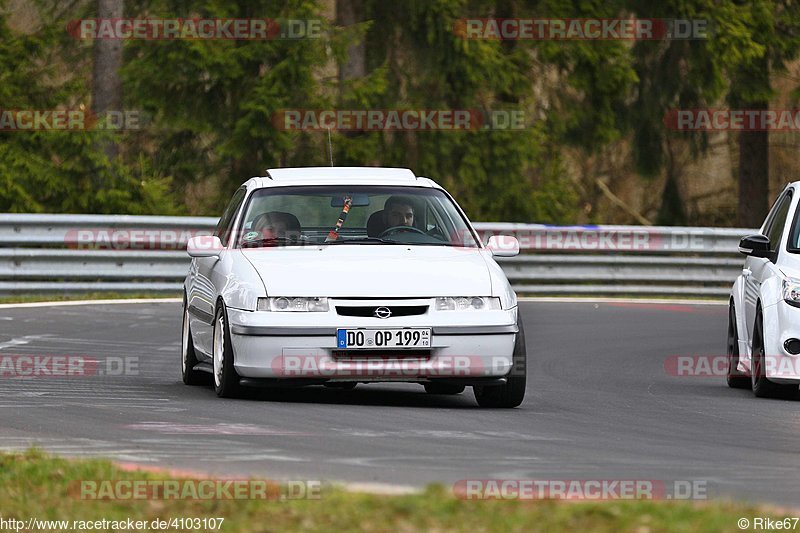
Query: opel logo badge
point(383, 312)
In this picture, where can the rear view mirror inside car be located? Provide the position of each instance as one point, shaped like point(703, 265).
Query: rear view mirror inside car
point(359, 200)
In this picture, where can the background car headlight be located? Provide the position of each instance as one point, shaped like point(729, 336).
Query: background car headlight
point(283, 303)
point(467, 303)
point(791, 291)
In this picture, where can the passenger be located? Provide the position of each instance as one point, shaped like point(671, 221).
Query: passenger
point(277, 224)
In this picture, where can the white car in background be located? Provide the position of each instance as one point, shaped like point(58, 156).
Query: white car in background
point(339, 276)
point(764, 309)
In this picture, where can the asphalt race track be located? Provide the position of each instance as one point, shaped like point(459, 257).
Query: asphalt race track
point(600, 405)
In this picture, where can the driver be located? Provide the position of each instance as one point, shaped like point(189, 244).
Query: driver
point(398, 211)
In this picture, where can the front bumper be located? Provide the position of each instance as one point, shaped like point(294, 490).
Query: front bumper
point(468, 346)
point(781, 323)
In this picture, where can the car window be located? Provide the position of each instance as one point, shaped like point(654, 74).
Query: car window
point(432, 219)
point(225, 224)
point(296, 215)
point(767, 225)
point(778, 222)
point(793, 242)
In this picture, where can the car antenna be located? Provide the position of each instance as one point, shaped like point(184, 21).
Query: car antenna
point(330, 145)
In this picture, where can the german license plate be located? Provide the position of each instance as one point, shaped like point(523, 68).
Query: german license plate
point(383, 338)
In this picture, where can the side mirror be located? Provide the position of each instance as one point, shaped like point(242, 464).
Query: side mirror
point(204, 246)
point(503, 246)
point(755, 246)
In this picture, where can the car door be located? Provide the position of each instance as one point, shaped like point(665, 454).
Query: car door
point(202, 296)
point(759, 269)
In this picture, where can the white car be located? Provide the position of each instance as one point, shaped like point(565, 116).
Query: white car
point(764, 309)
point(339, 276)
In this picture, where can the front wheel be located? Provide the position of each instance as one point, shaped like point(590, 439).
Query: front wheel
point(226, 380)
point(512, 392)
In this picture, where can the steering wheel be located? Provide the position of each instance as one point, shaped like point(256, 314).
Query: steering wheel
point(399, 229)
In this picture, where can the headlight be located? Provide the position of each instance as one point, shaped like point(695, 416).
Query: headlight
point(292, 304)
point(467, 303)
point(791, 291)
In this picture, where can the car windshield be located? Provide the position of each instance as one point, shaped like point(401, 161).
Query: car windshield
point(352, 215)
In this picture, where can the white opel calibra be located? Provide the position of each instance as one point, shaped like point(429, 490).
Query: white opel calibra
point(339, 276)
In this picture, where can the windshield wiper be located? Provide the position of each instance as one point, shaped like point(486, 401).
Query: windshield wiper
point(362, 240)
point(266, 241)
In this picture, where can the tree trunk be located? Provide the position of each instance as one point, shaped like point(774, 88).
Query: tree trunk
point(753, 176)
point(349, 12)
point(672, 211)
point(106, 83)
point(753, 145)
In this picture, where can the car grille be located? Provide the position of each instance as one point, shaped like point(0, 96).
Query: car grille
point(369, 310)
point(381, 354)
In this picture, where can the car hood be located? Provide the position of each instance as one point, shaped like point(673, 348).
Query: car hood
point(372, 271)
point(791, 270)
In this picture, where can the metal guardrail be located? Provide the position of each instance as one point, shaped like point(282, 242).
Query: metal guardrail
point(143, 254)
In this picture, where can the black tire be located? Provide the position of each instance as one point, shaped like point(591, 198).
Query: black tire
point(512, 392)
point(226, 380)
point(763, 387)
point(188, 355)
point(735, 378)
point(444, 388)
point(342, 385)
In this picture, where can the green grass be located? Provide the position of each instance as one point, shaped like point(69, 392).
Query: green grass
point(60, 297)
point(33, 484)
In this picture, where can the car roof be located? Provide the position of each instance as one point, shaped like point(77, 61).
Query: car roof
point(279, 177)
